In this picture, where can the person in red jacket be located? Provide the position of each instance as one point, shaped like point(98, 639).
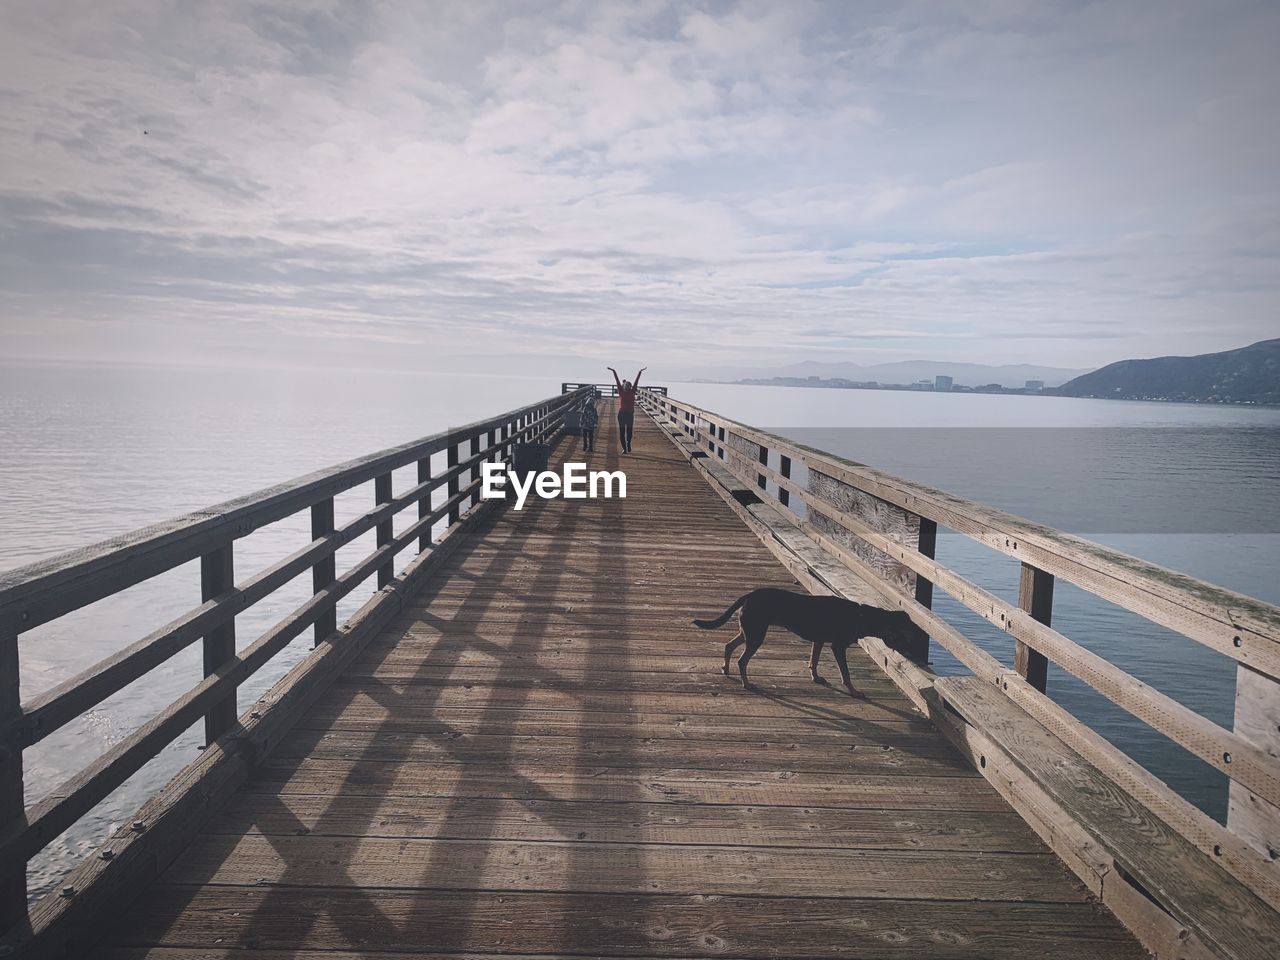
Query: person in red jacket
point(626, 407)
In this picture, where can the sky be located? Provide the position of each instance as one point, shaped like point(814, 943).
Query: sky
point(685, 185)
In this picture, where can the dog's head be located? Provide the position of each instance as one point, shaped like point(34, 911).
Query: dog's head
point(900, 633)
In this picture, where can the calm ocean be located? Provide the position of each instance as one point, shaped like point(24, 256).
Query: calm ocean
point(90, 452)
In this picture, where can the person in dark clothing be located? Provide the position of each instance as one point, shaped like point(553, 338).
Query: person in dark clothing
point(626, 407)
point(590, 420)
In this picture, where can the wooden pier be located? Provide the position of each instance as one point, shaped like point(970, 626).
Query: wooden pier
point(521, 747)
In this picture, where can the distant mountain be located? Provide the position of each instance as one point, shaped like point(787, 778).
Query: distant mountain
point(1247, 375)
point(908, 371)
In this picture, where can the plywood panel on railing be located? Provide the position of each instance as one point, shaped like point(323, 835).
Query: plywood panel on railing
point(895, 523)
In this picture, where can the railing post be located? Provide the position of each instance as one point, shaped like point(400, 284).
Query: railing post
point(217, 576)
point(1257, 720)
point(424, 505)
point(784, 468)
point(13, 876)
point(927, 544)
point(325, 571)
point(474, 473)
point(763, 458)
point(382, 494)
point(451, 491)
point(1035, 595)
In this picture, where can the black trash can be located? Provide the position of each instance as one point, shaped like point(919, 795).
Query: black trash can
point(529, 458)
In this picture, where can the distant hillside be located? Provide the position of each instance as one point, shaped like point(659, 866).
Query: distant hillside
point(1248, 375)
point(908, 371)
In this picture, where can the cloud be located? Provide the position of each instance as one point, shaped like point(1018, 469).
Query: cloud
point(998, 182)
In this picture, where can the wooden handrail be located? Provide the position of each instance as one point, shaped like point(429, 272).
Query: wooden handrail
point(1242, 627)
point(1221, 748)
point(39, 592)
point(608, 389)
point(746, 452)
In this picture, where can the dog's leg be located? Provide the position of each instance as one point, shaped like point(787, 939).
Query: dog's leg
point(814, 654)
point(729, 647)
point(754, 638)
point(841, 651)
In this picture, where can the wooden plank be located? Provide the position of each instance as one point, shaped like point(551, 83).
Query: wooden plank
point(535, 819)
point(1035, 595)
point(606, 784)
point(13, 875)
point(583, 866)
point(385, 533)
point(603, 925)
point(364, 713)
point(926, 758)
point(325, 572)
point(733, 701)
point(217, 576)
point(883, 516)
point(424, 505)
point(1225, 915)
point(1257, 720)
point(794, 682)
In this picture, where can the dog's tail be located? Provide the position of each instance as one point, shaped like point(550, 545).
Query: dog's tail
point(721, 620)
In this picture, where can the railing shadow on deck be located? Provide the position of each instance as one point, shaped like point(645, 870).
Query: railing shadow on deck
point(46, 590)
point(356, 915)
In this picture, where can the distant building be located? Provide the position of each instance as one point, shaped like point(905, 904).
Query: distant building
point(942, 383)
point(1035, 385)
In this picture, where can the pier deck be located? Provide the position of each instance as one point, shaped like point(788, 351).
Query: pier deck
point(539, 757)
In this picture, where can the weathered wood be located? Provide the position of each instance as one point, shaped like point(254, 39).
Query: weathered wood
point(325, 571)
point(13, 874)
point(895, 523)
point(1225, 915)
point(217, 577)
point(57, 706)
point(523, 779)
point(1221, 748)
point(1242, 627)
point(451, 461)
point(63, 926)
point(928, 758)
point(424, 505)
point(475, 471)
point(1035, 595)
point(926, 546)
point(1257, 721)
point(400, 863)
point(381, 495)
point(42, 591)
point(1259, 872)
point(627, 821)
point(653, 925)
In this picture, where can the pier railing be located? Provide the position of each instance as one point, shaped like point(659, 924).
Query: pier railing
point(607, 389)
point(42, 592)
point(848, 517)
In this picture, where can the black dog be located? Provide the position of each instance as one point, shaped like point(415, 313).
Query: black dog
point(820, 620)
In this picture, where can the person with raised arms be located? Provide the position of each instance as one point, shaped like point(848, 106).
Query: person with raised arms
point(626, 407)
